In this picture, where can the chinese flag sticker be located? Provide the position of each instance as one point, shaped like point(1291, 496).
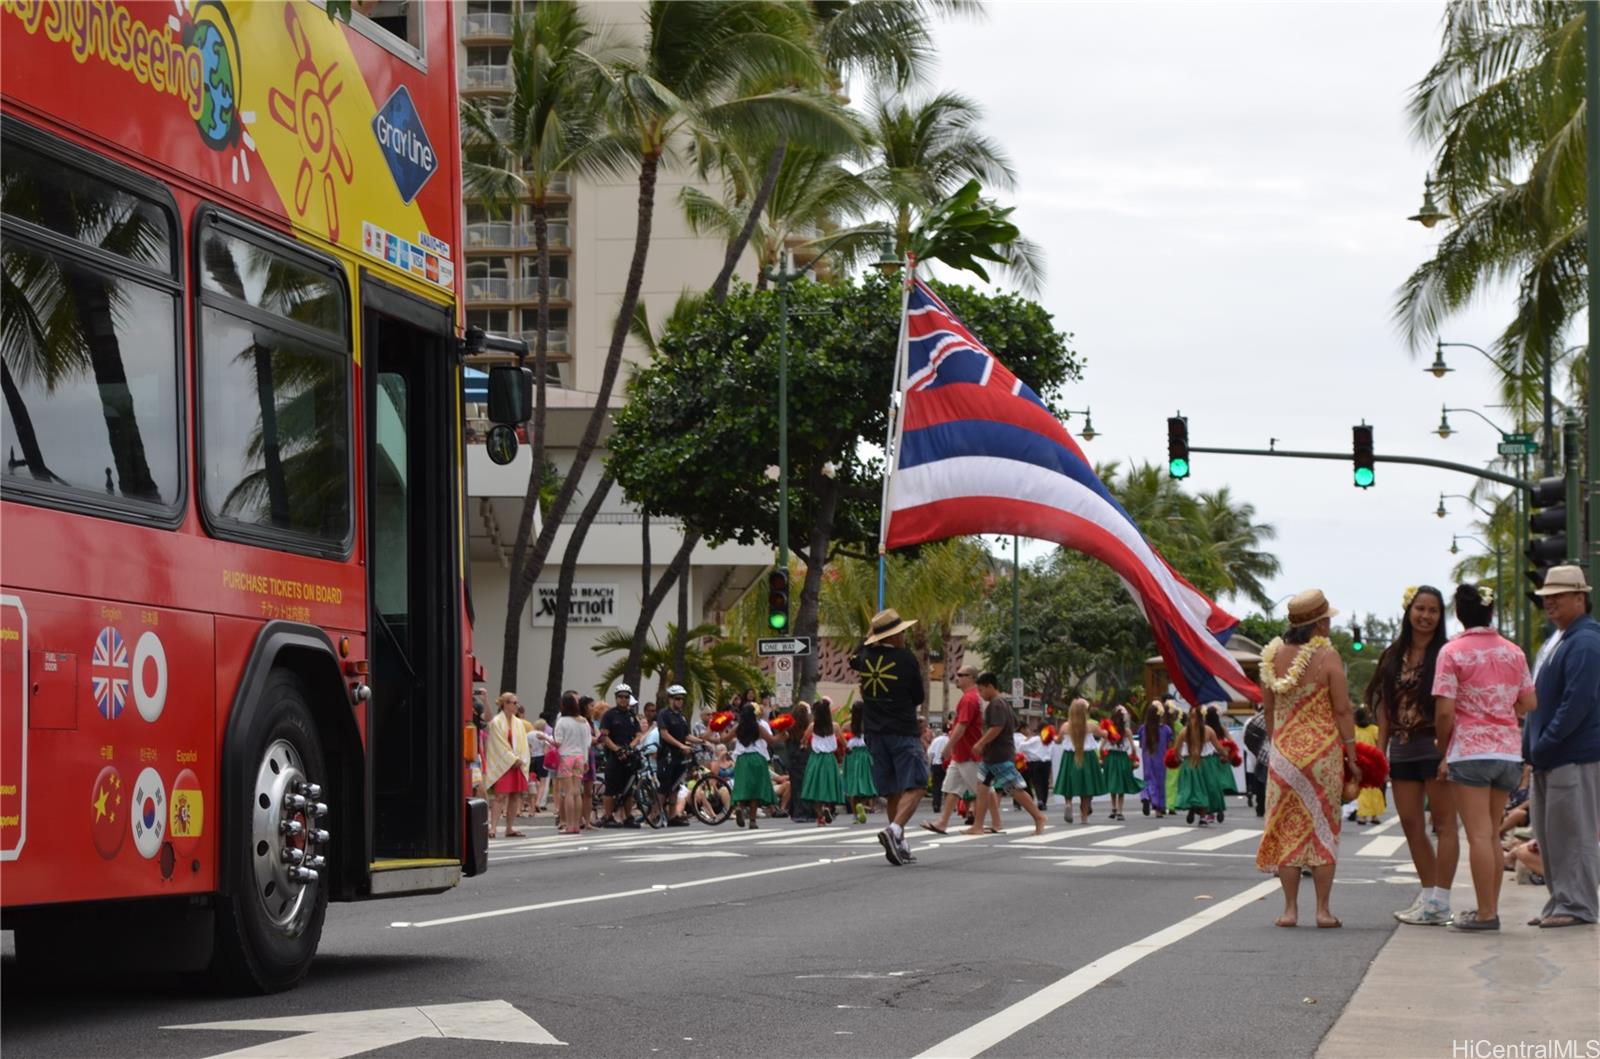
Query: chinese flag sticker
point(108, 812)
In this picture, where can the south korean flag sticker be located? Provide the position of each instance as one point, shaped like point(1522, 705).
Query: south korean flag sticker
point(149, 813)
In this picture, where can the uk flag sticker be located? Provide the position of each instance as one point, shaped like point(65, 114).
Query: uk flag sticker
point(108, 673)
point(149, 815)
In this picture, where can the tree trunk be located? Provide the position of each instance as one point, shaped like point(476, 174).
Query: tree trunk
point(631, 668)
point(27, 437)
point(569, 567)
point(680, 648)
point(719, 288)
point(826, 490)
point(652, 603)
point(522, 581)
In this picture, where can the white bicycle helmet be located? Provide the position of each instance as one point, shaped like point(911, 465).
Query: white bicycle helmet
point(676, 691)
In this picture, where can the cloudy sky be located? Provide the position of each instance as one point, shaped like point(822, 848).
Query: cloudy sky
point(1221, 189)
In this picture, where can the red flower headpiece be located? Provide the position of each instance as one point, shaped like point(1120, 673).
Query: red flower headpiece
point(1109, 727)
point(1048, 734)
point(1230, 750)
point(782, 723)
point(721, 719)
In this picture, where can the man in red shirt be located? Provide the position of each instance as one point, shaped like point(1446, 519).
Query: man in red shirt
point(961, 772)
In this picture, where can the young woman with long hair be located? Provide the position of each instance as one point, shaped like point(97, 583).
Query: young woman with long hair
point(1154, 738)
point(752, 782)
point(1217, 761)
point(1198, 793)
point(859, 789)
point(823, 785)
point(1401, 695)
point(1080, 776)
point(1116, 751)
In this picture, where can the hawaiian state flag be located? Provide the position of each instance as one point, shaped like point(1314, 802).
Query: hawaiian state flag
point(978, 452)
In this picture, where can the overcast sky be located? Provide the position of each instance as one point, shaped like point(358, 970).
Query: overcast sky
point(1221, 189)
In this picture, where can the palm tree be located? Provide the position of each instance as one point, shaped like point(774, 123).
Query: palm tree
point(712, 665)
point(1234, 541)
point(1503, 109)
point(703, 72)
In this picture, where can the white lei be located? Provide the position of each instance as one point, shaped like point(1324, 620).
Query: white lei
point(1297, 669)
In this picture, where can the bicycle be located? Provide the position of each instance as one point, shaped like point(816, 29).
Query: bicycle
point(710, 796)
point(642, 786)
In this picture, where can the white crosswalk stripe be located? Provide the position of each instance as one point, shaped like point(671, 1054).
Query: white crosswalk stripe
point(1382, 846)
point(1225, 838)
point(1139, 838)
point(1066, 834)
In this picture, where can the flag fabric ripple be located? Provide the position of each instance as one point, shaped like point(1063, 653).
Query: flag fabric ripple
point(980, 453)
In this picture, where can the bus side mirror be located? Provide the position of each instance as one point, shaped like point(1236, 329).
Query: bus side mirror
point(510, 394)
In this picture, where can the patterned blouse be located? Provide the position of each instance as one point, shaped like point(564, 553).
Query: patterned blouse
point(1485, 673)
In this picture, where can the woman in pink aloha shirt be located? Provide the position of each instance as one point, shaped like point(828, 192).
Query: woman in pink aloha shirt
point(1481, 686)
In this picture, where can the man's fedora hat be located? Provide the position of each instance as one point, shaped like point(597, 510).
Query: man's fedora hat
point(1310, 606)
point(886, 623)
point(1559, 579)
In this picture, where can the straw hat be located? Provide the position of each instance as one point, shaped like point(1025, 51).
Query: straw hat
point(886, 623)
point(1310, 606)
point(1559, 579)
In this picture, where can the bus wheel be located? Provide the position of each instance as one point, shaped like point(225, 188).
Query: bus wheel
point(269, 924)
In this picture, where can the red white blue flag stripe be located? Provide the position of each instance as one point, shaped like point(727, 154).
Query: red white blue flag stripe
point(978, 452)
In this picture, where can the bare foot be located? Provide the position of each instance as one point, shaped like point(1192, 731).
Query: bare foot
point(1038, 825)
point(972, 831)
point(1328, 921)
point(1288, 919)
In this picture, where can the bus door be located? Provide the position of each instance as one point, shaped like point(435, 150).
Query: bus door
point(415, 714)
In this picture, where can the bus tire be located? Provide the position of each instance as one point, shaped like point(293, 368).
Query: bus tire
point(269, 920)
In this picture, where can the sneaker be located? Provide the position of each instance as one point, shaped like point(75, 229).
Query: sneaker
point(1428, 914)
point(1145, 804)
point(891, 848)
point(905, 850)
point(738, 815)
point(861, 814)
point(1416, 903)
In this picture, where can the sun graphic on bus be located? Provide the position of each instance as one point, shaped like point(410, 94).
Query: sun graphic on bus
point(206, 28)
point(308, 113)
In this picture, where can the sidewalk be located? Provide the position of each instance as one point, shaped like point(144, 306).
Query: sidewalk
point(1431, 987)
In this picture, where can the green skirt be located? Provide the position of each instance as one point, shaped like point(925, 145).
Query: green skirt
point(1080, 781)
point(858, 774)
point(1197, 790)
point(1119, 777)
point(1222, 774)
point(823, 783)
point(751, 780)
point(1172, 774)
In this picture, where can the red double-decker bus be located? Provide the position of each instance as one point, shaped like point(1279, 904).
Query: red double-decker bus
point(233, 641)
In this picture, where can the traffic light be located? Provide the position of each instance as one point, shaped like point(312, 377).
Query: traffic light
point(1356, 642)
point(1361, 447)
point(1547, 529)
point(1178, 446)
point(778, 601)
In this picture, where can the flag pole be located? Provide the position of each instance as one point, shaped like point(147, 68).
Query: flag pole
point(891, 443)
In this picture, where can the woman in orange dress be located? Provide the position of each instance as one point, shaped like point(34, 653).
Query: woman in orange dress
point(1307, 710)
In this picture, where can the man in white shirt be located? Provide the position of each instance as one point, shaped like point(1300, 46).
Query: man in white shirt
point(1038, 755)
point(936, 762)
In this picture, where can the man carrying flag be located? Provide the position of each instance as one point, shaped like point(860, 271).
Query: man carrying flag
point(969, 430)
point(891, 692)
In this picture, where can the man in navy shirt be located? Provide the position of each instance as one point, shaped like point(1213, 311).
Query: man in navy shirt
point(1562, 743)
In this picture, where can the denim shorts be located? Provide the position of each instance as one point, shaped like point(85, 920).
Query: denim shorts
point(1002, 776)
point(899, 763)
point(1498, 773)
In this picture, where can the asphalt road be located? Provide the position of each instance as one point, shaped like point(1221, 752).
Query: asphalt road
point(790, 941)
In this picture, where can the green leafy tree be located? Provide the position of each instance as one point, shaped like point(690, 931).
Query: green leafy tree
point(713, 666)
point(707, 402)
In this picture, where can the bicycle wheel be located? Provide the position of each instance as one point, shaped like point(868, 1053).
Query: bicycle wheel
point(712, 800)
point(647, 799)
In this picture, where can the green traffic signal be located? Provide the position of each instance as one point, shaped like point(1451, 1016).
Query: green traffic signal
point(1179, 468)
point(778, 621)
point(1364, 477)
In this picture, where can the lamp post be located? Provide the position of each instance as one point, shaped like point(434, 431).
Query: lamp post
point(1439, 368)
point(1518, 618)
point(1499, 589)
point(782, 277)
point(1088, 433)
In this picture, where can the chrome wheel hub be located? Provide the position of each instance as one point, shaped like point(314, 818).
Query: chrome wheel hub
point(286, 838)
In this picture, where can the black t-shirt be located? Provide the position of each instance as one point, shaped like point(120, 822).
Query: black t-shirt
point(997, 714)
point(620, 724)
point(891, 689)
point(675, 724)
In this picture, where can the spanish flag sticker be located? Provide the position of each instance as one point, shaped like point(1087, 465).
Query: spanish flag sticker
point(186, 813)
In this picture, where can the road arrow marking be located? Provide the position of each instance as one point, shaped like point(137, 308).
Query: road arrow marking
point(344, 1033)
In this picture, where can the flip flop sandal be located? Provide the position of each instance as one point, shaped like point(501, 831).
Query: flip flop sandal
point(935, 828)
point(1566, 921)
point(1536, 921)
point(994, 830)
point(515, 834)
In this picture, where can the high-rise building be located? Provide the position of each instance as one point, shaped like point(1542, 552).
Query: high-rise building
point(591, 236)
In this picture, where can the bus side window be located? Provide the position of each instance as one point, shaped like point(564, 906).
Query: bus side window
point(274, 383)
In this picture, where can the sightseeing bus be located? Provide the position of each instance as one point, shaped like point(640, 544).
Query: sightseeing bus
point(233, 633)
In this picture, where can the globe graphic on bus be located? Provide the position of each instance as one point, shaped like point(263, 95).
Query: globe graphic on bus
point(216, 120)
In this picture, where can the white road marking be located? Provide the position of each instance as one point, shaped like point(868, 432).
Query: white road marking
point(1383, 846)
point(1076, 831)
point(815, 834)
point(1096, 860)
point(1226, 838)
point(1139, 838)
point(737, 836)
point(663, 858)
point(933, 841)
point(1003, 1024)
point(1378, 829)
point(345, 1033)
point(591, 898)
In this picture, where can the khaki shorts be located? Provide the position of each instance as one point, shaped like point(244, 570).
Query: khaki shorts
point(961, 778)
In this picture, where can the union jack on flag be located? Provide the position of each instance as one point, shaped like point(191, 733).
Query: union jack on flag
point(979, 452)
point(110, 656)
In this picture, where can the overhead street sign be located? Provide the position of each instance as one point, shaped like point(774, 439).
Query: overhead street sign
point(1518, 445)
point(785, 645)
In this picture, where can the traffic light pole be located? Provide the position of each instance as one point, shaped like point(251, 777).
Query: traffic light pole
point(1420, 461)
point(1571, 438)
point(1590, 553)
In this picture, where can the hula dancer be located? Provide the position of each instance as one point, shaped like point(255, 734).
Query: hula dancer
point(1080, 776)
point(1175, 722)
point(859, 790)
point(1198, 795)
point(1116, 758)
point(752, 783)
point(1154, 739)
point(1218, 761)
point(823, 786)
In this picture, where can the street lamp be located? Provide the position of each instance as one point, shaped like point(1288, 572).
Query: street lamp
point(783, 277)
point(1088, 432)
point(1441, 512)
point(1438, 369)
point(1430, 214)
point(1455, 549)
